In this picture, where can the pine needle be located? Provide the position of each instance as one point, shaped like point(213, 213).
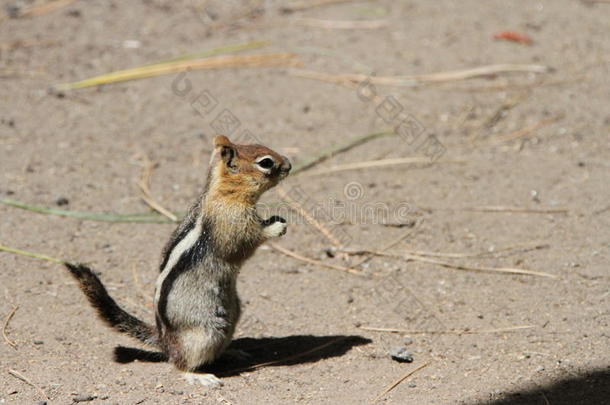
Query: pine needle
point(417, 80)
point(340, 24)
point(483, 269)
point(448, 332)
point(44, 8)
point(31, 254)
point(297, 256)
point(335, 149)
point(216, 62)
point(5, 326)
point(144, 218)
point(395, 383)
point(304, 5)
point(376, 164)
point(26, 380)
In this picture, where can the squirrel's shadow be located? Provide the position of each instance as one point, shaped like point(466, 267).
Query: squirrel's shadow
point(267, 351)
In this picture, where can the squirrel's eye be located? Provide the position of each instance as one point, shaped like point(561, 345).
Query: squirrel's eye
point(266, 163)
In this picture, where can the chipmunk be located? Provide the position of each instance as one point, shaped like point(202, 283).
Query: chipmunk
point(196, 302)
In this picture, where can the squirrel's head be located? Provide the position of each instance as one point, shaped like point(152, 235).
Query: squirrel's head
point(243, 172)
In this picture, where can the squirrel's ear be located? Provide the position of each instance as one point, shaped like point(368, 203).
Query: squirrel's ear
point(221, 141)
point(228, 154)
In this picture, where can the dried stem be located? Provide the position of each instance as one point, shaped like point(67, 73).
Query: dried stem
point(6, 322)
point(313, 261)
point(395, 383)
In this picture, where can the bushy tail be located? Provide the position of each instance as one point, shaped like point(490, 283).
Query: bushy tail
point(108, 309)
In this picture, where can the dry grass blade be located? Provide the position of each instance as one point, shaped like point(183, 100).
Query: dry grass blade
point(524, 245)
point(334, 150)
point(31, 254)
point(395, 383)
point(505, 270)
point(44, 8)
point(375, 164)
point(341, 24)
point(144, 185)
point(328, 234)
point(525, 131)
point(23, 378)
point(448, 332)
point(313, 261)
point(482, 269)
point(416, 80)
point(389, 245)
point(6, 322)
point(290, 358)
point(501, 208)
point(217, 62)
point(304, 5)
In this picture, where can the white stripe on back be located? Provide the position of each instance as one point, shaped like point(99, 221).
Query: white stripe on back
point(185, 244)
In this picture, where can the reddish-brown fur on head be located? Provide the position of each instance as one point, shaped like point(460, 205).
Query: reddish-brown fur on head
point(244, 172)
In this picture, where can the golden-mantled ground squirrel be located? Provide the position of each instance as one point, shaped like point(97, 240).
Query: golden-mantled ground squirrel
point(196, 302)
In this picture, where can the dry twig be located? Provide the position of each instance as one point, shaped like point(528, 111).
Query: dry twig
point(395, 383)
point(144, 185)
point(31, 254)
point(23, 378)
point(524, 131)
point(483, 269)
point(217, 62)
point(448, 332)
point(44, 8)
point(341, 24)
point(373, 164)
point(526, 245)
point(309, 218)
point(6, 322)
point(501, 208)
point(417, 80)
point(304, 5)
point(297, 256)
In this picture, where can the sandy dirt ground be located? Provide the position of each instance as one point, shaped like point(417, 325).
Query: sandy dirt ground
point(536, 145)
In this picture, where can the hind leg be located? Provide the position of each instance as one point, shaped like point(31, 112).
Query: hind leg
point(194, 349)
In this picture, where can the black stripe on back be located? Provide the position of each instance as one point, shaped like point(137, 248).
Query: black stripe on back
point(179, 234)
point(187, 261)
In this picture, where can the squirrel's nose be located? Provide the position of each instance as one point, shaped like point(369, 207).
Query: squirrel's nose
point(286, 166)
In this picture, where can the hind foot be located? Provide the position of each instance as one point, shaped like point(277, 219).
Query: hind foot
point(205, 379)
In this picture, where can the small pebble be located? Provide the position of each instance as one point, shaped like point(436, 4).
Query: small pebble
point(61, 201)
point(400, 354)
point(83, 398)
point(407, 341)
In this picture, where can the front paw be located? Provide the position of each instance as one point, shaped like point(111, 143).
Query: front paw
point(274, 227)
